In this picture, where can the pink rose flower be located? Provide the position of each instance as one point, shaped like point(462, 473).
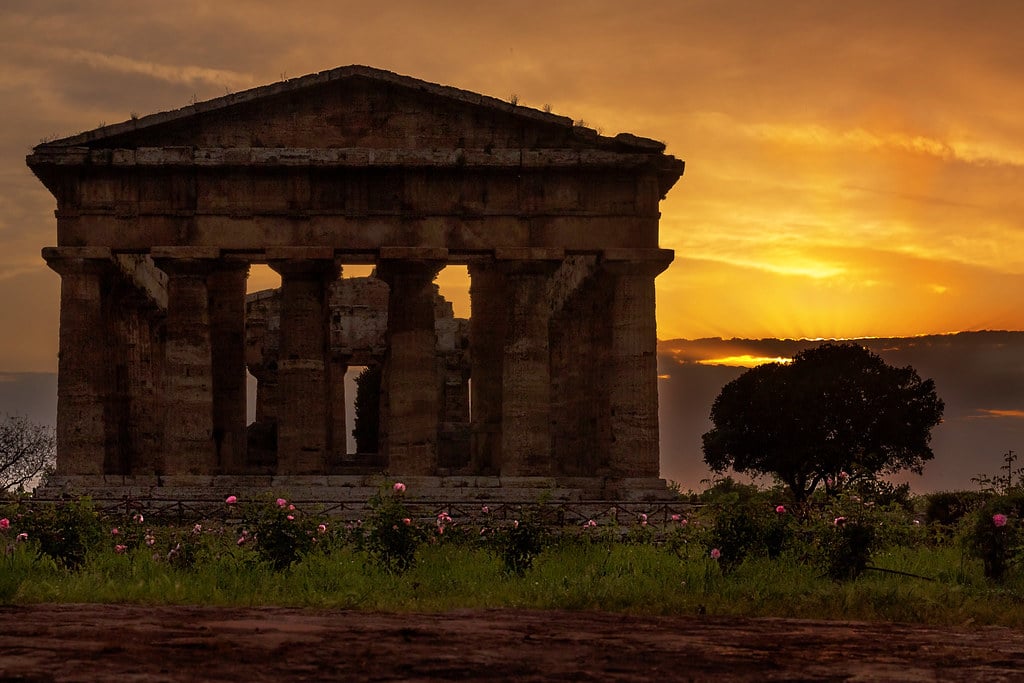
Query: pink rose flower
point(291, 507)
point(839, 521)
point(22, 536)
point(114, 531)
point(485, 509)
point(999, 519)
point(281, 502)
point(781, 509)
point(5, 523)
point(197, 529)
point(322, 528)
point(715, 553)
point(242, 540)
point(399, 487)
point(407, 521)
point(290, 518)
point(231, 500)
point(119, 549)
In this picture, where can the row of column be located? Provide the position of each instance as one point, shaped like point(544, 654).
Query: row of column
point(204, 398)
point(510, 329)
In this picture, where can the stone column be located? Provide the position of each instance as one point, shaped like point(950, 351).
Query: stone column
point(409, 391)
point(304, 416)
point(227, 338)
point(487, 322)
point(83, 376)
point(526, 365)
point(188, 444)
point(633, 362)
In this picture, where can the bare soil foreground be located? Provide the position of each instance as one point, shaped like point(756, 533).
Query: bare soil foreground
point(137, 643)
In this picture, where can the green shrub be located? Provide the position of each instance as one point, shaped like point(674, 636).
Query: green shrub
point(883, 493)
point(679, 536)
point(727, 490)
point(519, 544)
point(949, 507)
point(742, 530)
point(64, 532)
point(278, 532)
point(847, 546)
point(392, 537)
point(996, 535)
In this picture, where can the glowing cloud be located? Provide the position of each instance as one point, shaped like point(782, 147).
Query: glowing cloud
point(995, 413)
point(166, 72)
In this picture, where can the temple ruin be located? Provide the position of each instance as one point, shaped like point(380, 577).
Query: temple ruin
point(550, 384)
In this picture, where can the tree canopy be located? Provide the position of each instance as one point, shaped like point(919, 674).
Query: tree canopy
point(26, 449)
point(836, 409)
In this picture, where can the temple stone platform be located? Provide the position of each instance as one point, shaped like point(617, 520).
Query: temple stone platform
point(347, 496)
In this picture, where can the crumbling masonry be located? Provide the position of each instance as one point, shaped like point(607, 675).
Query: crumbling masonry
point(553, 379)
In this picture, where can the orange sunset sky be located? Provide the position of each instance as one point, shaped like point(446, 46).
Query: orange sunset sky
point(853, 168)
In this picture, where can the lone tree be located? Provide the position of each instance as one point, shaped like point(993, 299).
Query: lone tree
point(836, 408)
point(26, 449)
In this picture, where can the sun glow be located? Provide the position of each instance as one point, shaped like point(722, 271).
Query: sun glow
point(744, 361)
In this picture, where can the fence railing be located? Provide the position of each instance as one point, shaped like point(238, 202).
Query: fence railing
point(550, 513)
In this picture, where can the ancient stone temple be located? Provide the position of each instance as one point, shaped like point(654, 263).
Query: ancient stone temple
point(551, 383)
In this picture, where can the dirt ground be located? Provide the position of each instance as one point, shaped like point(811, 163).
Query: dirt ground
point(134, 643)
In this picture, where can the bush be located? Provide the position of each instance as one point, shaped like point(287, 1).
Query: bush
point(949, 507)
point(883, 493)
point(519, 544)
point(278, 532)
point(64, 532)
point(996, 535)
point(727, 490)
point(392, 537)
point(847, 546)
point(749, 529)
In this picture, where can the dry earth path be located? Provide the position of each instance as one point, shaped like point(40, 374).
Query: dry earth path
point(126, 643)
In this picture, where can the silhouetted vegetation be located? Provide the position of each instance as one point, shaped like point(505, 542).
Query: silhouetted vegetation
point(367, 423)
point(838, 414)
point(26, 450)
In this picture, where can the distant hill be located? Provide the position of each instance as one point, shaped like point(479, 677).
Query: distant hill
point(980, 376)
point(32, 394)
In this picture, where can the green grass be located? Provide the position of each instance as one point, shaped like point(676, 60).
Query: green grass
point(639, 579)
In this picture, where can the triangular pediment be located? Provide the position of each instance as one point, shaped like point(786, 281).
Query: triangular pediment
point(355, 107)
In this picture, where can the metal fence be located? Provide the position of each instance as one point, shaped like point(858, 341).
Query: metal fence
point(549, 513)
